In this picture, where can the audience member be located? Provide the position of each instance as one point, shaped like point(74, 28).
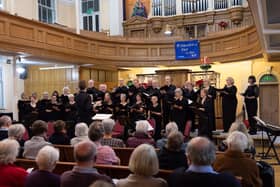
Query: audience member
point(100, 183)
point(59, 136)
point(84, 173)
point(201, 155)
point(10, 175)
point(46, 160)
point(38, 141)
point(5, 123)
point(235, 162)
point(16, 132)
point(171, 156)
point(81, 133)
point(143, 163)
point(108, 125)
point(141, 135)
point(105, 154)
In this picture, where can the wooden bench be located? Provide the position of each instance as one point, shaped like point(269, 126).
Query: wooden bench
point(112, 171)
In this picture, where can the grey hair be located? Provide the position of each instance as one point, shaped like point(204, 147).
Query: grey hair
point(4, 120)
point(81, 129)
point(201, 151)
point(231, 80)
point(66, 88)
point(8, 151)
point(171, 127)
point(47, 158)
point(237, 141)
point(108, 125)
point(142, 126)
point(179, 90)
point(16, 131)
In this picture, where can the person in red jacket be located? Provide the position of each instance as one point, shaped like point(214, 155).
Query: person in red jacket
point(11, 175)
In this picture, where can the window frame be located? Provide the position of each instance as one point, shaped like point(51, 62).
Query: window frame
point(53, 10)
point(1, 4)
point(94, 27)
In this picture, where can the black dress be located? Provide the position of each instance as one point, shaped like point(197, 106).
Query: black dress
point(229, 104)
point(205, 126)
point(213, 94)
point(180, 115)
point(70, 113)
point(31, 115)
point(252, 105)
point(190, 95)
point(136, 114)
point(167, 100)
point(157, 118)
point(84, 107)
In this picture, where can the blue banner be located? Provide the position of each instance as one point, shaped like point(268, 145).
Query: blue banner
point(187, 50)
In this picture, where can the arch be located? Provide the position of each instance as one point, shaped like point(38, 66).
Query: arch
point(268, 78)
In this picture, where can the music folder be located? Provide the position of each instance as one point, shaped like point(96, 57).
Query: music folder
point(101, 116)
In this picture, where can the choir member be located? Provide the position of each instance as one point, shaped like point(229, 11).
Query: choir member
point(91, 90)
point(107, 104)
point(229, 103)
point(31, 112)
point(122, 88)
point(211, 95)
point(64, 97)
point(84, 104)
point(56, 94)
point(71, 109)
point(168, 97)
point(44, 107)
point(251, 95)
point(122, 114)
point(179, 110)
point(55, 109)
point(137, 111)
point(205, 125)
point(155, 113)
point(21, 106)
point(101, 92)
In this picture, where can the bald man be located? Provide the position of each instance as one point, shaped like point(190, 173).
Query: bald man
point(84, 173)
point(201, 154)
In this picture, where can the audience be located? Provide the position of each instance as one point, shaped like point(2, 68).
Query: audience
point(141, 135)
point(5, 123)
point(143, 163)
point(46, 160)
point(31, 147)
point(81, 133)
point(10, 175)
point(236, 163)
point(84, 173)
point(105, 154)
point(171, 156)
point(201, 155)
point(16, 132)
point(59, 136)
point(100, 183)
point(108, 125)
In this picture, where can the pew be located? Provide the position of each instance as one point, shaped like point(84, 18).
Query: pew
point(116, 172)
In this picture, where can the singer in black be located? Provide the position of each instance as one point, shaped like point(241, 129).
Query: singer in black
point(229, 103)
point(251, 95)
point(156, 114)
point(211, 95)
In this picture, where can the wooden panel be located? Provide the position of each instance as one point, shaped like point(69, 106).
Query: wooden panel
point(137, 52)
point(54, 39)
point(81, 45)
point(2, 27)
point(22, 32)
point(106, 50)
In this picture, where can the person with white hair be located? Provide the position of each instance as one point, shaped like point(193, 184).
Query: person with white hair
point(141, 135)
point(64, 99)
point(236, 162)
point(81, 133)
point(16, 132)
point(143, 163)
point(91, 90)
point(108, 125)
point(46, 161)
point(10, 175)
point(5, 123)
point(229, 103)
point(70, 111)
point(201, 154)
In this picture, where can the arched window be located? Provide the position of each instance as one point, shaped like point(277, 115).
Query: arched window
point(47, 11)
point(268, 78)
point(90, 15)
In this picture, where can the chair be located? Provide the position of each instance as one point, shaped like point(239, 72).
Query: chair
point(66, 153)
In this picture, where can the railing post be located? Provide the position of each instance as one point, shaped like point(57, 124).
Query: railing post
point(210, 5)
point(229, 4)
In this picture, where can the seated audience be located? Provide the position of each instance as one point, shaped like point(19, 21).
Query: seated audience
point(105, 154)
point(46, 161)
point(108, 125)
point(239, 126)
point(31, 147)
point(170, 127)
point(236, 163)
point(16, 132)
point(81, 133)
point(143, 163)
point(171, 156)
point(10, 175)
point(201, 155)
point(84, 173)
point(101, 184)
point(5, 123)
point(141, 135)
point(59, 136)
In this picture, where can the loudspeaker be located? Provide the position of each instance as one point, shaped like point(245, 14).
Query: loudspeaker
point(24, 74)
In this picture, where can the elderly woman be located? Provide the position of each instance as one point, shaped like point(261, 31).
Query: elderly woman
point(5, 123)
point(143, 163)
point(141, 135)
point(108, 125)
point(81, 133)
point(229, 103)
point(11, 176)
point(171, 156)
point(170, 127)
point(46, 160)
point(16, 132)
point(105, 154)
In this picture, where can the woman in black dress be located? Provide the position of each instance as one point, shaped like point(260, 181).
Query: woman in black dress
point(229, 103)
point(251, 95)
point(156, 114)
point(211, 95)
point(31, 113)
point(71, 109)
point(122, 113)
point(179, 110)
point(137, 110)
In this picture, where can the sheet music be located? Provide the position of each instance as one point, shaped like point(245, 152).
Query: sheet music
point(101, 116)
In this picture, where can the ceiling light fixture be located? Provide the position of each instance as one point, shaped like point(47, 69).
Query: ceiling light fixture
point(57, 67)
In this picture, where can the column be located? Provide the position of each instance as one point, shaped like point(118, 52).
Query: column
point(229, 4)
point(178, 7)
point(116, 17)
point(245, 3)
point(78, 15)
point(211, 5)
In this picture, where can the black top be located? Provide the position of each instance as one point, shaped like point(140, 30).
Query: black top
point(84, 107)
point(252, 90)
point(183, 178)
point(42, 179)
point(3, 134)
point(172, 159)
point(229, 93)
point(156, 109)
point(191, 95)
point(59, 139)
point(121, 110)
point(93, 92)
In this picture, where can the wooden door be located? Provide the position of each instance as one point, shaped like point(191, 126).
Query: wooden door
point(269, 103)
